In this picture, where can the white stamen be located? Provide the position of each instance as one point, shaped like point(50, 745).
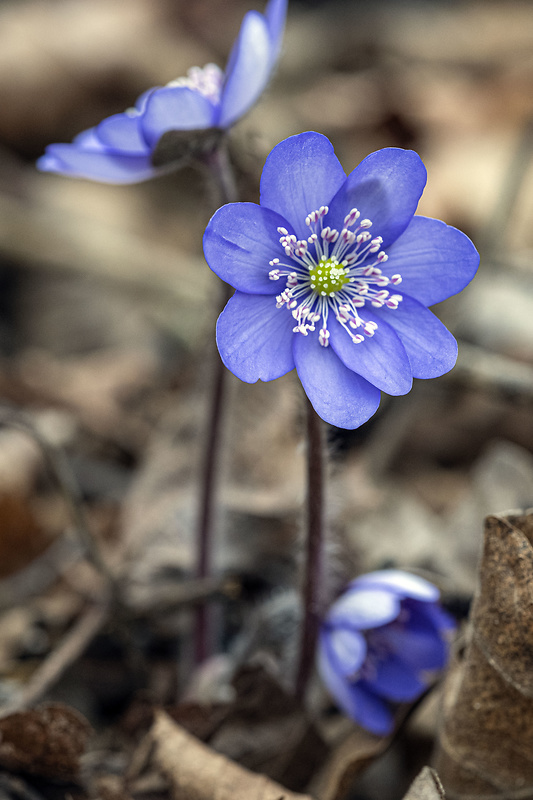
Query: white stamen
point(337, 272)
point(207, 81)
point(323, 337)
point(351, 218)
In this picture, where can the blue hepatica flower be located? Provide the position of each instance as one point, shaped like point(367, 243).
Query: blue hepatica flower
point(334, 274)
point(380, 643)
point(151, 137)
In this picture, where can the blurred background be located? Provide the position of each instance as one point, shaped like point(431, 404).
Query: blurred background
point(107, 310)
point(107, 306)
point(106, 303)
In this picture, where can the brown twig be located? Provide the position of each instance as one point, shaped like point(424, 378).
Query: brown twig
point(52, 668)
point(68, 485)
point(60, 468)
point(189, 593)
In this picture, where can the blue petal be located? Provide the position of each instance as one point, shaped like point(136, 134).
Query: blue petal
point(385, 188)
point(140, 103)
point(403, 584)
point(301, 174)
point(395, 680)
point(431, 348)
point(381, 359)
point(89, 140)
point(239, 241)
point(248, 69)
point(435, 260)
point(69, 159)
point(364, 608)
point(356, 700)
point(431, 614)
point(417, 643)
point(49, 163)
point(338, 395)
point(275, 13)
point(369, 710)
point(425, 652)
point(421, 651)
point(348, 648)
point(122, 133)
point(254, 338)
point(175, 108)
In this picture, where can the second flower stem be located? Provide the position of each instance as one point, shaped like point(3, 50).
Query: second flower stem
point(312, 568)
point(223, 181)
point(204, 538)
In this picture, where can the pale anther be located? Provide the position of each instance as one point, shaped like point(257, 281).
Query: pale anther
point(334, 272)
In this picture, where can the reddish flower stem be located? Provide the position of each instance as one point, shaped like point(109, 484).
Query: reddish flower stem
point(312, 569)
point(221, 172)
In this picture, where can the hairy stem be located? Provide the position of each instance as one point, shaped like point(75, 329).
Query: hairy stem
point(223, 182)
point(312, 568)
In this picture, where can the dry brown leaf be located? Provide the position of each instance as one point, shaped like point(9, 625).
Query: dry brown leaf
point(268, 731)
point(486, 742)
point(97, 386)
point(111, 787)
point(346, 762)
point(426, 786)
point(198, 773)
point(22, 538)
point(46, 741)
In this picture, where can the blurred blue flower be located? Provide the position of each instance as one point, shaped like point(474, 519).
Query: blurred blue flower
point(379, 644)
point(317, 291)
point(129, 147)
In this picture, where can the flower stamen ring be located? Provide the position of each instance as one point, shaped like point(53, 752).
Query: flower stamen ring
point(334, 271)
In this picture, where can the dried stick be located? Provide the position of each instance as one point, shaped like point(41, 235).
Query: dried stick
point(66, 653)
point(70, 490)
point(60, 468)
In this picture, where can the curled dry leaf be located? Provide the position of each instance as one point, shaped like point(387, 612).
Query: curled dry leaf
point(426, 786)
point(346, 762)
point(23, 537)
point(486, 742)
point(268, 731)
point(47, 741)
point(196, 772)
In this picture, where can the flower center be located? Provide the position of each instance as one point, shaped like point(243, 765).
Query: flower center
point(328, 276)
point(382, 644)
point(336, 272)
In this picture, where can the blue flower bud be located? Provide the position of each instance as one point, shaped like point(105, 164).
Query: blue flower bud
point(381, 643)
point(128, 147)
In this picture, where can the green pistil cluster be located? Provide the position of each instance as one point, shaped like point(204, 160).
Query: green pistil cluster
point(328, 276)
